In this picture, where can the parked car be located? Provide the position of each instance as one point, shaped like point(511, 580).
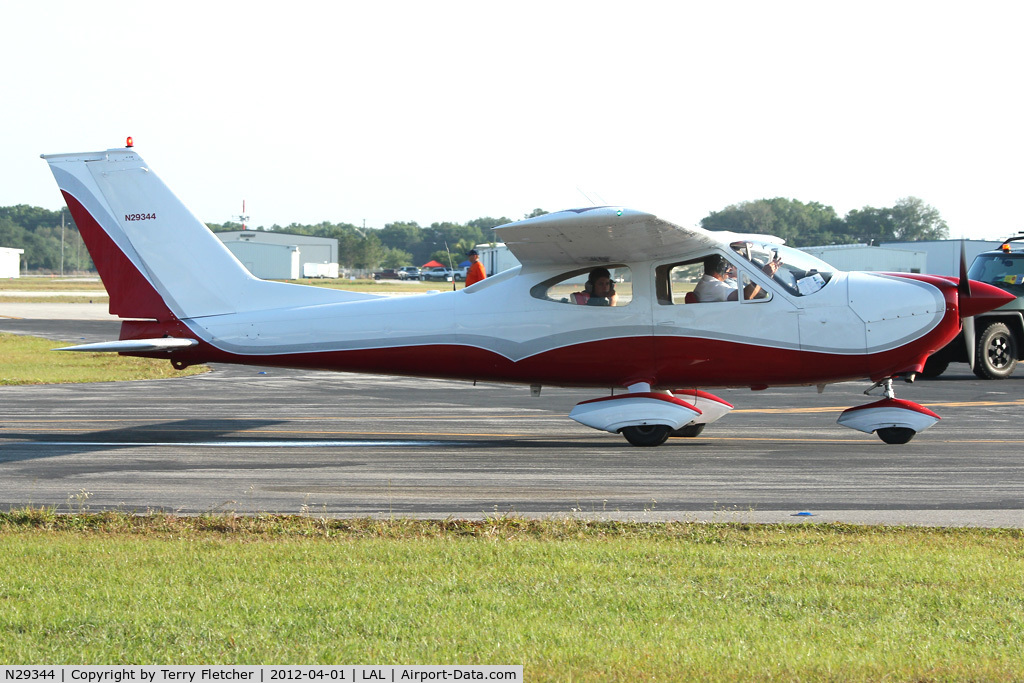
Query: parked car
point(443, 274)
point(408, 273)
point(995, 338)
point(389, 274)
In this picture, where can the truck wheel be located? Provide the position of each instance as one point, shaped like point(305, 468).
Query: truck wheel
point(995, 356)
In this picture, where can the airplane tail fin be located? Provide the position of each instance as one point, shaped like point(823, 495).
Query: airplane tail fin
point(156, 259)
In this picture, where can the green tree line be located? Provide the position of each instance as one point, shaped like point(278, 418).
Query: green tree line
point(396, 244)
point(39, 232)
point(47, 245)
point(814, 224)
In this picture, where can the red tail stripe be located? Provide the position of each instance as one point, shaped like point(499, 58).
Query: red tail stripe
point(131, 294)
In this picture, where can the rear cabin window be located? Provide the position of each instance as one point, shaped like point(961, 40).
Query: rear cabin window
point(601, 286)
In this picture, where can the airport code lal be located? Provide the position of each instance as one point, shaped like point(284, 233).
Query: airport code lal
point(259, 674)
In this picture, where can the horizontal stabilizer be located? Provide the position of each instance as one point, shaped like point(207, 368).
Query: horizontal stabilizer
point(134, 345)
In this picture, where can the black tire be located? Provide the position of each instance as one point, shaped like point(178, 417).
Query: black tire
point(647, 435)
point(935, 365)
point(690, 430)
point(895, 435)
point(995, 355)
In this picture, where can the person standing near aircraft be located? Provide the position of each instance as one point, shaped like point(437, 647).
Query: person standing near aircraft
point(717, 285)
point(476, 271)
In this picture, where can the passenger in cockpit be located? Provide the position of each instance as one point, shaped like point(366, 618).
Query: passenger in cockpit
point(599, 290)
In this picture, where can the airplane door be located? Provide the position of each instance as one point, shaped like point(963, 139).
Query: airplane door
point(535, 321)
point(716, 343)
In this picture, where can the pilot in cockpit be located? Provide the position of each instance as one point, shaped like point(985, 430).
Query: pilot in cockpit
point(719, 281)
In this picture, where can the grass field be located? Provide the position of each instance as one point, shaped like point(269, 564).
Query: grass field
point(44, 289)
point(569, 600)
point(53, 284)
point(31, 360)
point(30, 298)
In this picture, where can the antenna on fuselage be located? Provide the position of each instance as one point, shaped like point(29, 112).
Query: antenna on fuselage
point(589, 199)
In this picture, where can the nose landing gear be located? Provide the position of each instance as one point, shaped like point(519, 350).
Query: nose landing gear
point(895, 421)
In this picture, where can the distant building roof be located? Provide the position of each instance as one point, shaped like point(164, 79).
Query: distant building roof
point(274, 237)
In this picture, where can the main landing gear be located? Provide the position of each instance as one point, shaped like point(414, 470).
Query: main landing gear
point(646, 435)
point(649, 418)
point(894, 420)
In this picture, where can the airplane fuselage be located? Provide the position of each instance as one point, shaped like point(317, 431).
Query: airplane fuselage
point(497, 331)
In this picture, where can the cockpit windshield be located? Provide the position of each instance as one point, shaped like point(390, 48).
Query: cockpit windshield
point(798, 272)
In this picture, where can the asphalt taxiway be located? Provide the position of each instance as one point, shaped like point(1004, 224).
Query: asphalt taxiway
point(249, 440)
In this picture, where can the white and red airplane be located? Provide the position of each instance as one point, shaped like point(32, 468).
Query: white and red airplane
point(184, 296)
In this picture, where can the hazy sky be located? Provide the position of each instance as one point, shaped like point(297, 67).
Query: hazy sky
point(433, 111)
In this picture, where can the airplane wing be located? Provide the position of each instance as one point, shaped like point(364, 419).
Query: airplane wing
point(600, 234)
point(607, 234)
point(134, 345)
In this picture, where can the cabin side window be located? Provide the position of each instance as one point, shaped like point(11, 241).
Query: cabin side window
point(710, 279)
point(594, 286)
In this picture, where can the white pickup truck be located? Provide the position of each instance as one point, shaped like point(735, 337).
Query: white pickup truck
point(443, 274)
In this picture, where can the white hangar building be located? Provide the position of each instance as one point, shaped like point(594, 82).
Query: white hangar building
point(934, 257)
point(10, 262)
point(863, 257)
point(943, 256)
point(272, 255)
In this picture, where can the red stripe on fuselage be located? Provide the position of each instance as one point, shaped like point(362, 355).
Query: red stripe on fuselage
point(667, 362)
point(670, 362)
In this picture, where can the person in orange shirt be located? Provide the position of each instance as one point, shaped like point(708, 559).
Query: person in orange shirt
point(475, 273)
